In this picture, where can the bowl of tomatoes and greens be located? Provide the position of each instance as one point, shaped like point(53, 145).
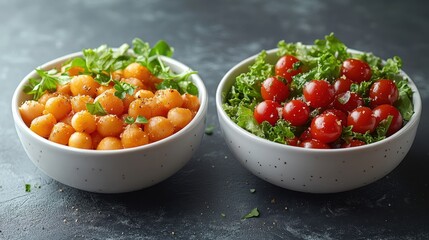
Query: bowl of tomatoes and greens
point(318, 118)
point(111, 119)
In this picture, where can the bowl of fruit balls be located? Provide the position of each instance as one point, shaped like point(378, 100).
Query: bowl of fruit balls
point(318, 118)
point(111, 120)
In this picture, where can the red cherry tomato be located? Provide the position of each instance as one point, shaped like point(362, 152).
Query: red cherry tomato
point(292, 141)
point(306, 135)
point(383, 91)
point(318, 93)
point(274, 89)
point(347, 101)
point(340, 115)
point(342, 85)
point(352, 143)
point(356, 70)
point(362, 120)
point(326, 128)
point(285, 67)
point(267, 111)
point(383, 111)
point(296, 112)
point(313, 143)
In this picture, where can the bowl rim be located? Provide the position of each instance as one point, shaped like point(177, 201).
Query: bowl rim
point(228, 80)
point(19, 123)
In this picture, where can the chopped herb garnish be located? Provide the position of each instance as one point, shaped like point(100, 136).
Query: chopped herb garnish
point(96, 109)
point(251, 214)
point(48, 82)
point(252, 190)
point(139, 119)
point(123, 88)
point(209, 129)
point(28, 187)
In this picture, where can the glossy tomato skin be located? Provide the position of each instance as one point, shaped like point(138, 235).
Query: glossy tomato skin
point(292, 141)
point(319, 93)
point(383, 91)
point(274, 89)
point(267, 111)
point(326, 128)
point(362, 120)
point(342, 85)
point(340, 115)
point(306, 135)
point(356, 70)
point(352, 143)
point(313, 143)
point(347, 101)
point(383, 111)
point(296, 112)
point(285, 67)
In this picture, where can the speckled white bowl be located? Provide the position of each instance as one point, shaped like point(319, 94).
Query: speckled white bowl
point(313, 170)
point(112, 171)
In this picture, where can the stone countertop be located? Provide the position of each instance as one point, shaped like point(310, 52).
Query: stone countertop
point(208, 197)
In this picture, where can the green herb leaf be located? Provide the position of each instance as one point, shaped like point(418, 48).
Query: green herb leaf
point(123, 88)
point(28, 187)
point(382, 127)
point(37, 87)
point(252, 214)
point(209, 129)
point(161, 48)
point(139, 119)
point(96, 109)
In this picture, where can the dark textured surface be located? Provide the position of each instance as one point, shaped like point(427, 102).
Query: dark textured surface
point(207, 198)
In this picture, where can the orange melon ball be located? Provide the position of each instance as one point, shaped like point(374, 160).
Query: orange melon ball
point(59, 106)
point(61, 133)
point(110, 126)
point(31, 109)
point(84, 121)
point(179, 117)
point(158, 128)
point(80, 140)
point(43, 125)
point(134, 136)
point(110, 143)
point(136, 70)
point(111, 103)
point(84, 85)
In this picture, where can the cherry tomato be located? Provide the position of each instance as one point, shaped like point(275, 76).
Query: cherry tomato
point(318, 93)
point(340, 115)
point(274, 89)
point(326, 128)
point(342, 85)
point(356, 70)
point(296, 112)
point(292, 141)
point(352, 143)
point(383, 91)
point(267, 111)
point(313, 143)
point(362, 120)
point(306, 135)
point(285, 67)
point(383, 111)
point(347, 101)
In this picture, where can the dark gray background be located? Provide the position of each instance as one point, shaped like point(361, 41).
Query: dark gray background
point(211, 37)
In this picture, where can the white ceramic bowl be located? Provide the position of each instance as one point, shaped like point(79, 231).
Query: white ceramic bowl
point(313, 170)
point(112, 171)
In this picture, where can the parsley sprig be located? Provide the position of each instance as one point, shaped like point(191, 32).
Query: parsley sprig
point(102, 61)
